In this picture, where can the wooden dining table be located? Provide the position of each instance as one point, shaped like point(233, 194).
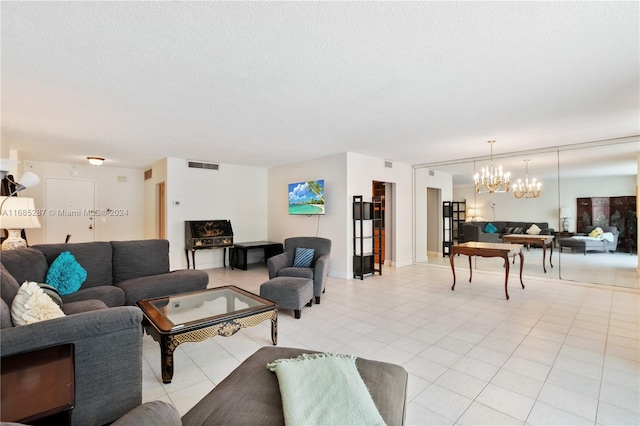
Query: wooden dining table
point(542, 240)
point(474, 248)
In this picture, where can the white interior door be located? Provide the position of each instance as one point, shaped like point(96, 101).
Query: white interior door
point(70, 205)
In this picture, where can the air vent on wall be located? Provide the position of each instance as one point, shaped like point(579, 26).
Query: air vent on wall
point(148, 174)
point(202, 165)
point(388, 164)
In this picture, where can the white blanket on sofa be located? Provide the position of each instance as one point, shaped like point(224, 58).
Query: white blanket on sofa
point(324, 389)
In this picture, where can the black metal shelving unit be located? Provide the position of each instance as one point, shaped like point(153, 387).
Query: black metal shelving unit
point(367, 236)
point(453, 217)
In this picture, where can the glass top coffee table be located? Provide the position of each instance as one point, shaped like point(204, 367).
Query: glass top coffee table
point(199, 315)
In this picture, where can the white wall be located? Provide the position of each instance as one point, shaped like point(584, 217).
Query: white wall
point(110, 193)
point(362, 171)
point(331, 225)
point(422, 181)
point(345, 175)
point(236, 193)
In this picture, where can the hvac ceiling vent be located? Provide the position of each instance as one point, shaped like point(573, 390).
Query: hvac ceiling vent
point(432, 173)
point(202, 165)
point(388, 164)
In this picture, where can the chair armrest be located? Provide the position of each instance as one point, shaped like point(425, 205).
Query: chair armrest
point(108, 358)
point(321, 266)
point(277, 262)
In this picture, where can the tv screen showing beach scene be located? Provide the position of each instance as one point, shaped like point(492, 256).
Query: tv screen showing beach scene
point(306, 198)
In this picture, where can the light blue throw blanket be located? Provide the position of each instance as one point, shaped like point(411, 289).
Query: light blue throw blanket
point(324, 389)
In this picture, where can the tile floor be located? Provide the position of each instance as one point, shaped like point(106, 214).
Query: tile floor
point(557, 353)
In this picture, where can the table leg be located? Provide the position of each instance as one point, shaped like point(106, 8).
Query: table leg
point(470, 269)
point(186, 252)
point(521, 266)
point(551, 253)
point(453, 269)
point(274, 328)
point(506, 274)
point(544, 256)
point(193, 258)
point(167, 346)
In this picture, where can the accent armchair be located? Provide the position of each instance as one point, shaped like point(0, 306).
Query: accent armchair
point(282, 265)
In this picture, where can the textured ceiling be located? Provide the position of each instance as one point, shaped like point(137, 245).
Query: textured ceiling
point(269, 83)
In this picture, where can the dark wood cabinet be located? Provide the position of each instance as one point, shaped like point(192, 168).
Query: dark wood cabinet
point(610, 211)
point(592, 211)
point(623, 216)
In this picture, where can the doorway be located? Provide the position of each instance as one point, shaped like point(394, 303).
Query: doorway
point(434, 219)
point(161, 209)
point(386, 192)
point(70, 205)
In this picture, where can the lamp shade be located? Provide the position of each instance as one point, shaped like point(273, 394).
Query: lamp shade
point(18, 213)
point(28, 180)
point(565, 212)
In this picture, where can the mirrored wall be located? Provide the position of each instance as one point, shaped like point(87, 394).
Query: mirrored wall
point(591, 184)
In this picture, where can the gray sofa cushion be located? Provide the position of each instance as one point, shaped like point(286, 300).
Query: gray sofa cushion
point(182, 281)
point(9, 286)
point(5, 315)
point(25, 265)
point(83, 306)
point(250, 394)
point(141, 258)
point(110, 295)
point(95, 257)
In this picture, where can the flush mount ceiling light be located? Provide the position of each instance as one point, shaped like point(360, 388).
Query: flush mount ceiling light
point(492, 179)
point(96, 161)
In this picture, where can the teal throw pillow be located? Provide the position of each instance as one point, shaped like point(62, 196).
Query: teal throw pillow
point(66, 274)
point(490, 228)
point(303, 258)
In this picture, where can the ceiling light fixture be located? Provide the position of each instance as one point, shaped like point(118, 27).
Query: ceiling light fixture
point(96, 161)
point(527, 189)
point(492, 179)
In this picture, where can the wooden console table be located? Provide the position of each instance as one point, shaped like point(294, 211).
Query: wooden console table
point(39, 386)
point(238, 254)
point(543, 240)
point(487, 250)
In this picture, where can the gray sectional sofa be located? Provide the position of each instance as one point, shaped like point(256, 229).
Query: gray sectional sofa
point(118, 272)
point(475, 231)
point(107, 336)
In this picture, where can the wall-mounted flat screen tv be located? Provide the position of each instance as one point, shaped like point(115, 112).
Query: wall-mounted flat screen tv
point(306, 198)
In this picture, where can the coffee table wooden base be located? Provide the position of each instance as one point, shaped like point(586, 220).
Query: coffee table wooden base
point(487, 250)
point(169, 342)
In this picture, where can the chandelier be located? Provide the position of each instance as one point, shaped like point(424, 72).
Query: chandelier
point(527, 189)
point(492, 179)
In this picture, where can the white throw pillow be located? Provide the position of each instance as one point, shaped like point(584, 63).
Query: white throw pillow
point(32, 304)
point(534, 230)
